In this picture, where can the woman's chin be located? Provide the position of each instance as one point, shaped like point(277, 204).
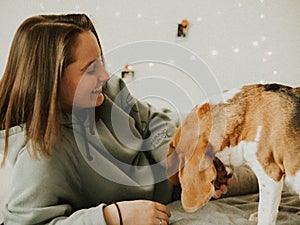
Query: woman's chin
point(99, 100)
point(93, 101)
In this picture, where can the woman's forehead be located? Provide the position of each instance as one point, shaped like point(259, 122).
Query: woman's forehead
point(86, 48)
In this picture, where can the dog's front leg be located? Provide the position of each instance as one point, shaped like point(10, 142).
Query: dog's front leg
point(269, 198)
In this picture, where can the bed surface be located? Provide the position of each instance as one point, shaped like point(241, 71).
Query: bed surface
point(237, 205)
point(234, 210)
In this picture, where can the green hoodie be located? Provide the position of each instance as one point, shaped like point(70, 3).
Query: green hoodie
point(119, 157)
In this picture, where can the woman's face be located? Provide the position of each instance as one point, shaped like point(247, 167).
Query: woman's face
point(82, 82)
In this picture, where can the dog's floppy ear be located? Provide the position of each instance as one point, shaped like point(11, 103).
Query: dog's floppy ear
point(197, 186)
point(182, 146)
point(185, 154)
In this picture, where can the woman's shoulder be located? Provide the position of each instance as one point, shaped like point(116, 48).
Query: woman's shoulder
point(16, 130)
point(17, 140)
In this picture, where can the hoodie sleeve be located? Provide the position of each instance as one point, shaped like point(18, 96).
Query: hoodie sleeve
point(45, 191)
point(161, 125)
point(156, 126)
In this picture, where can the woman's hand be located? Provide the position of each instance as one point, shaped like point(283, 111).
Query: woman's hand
point(138, 212)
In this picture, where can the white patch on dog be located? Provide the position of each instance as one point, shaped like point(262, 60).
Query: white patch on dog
point(269, 190)
point(258, 133)
point(233, 156)
point(239, 155)
point(293, 183)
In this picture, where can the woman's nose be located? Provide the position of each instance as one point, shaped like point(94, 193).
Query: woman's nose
point(104, 76)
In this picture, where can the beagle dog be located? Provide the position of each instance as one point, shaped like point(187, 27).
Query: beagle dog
point(258, 125)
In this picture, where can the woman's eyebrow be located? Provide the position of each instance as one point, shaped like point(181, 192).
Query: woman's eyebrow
point(87, 65)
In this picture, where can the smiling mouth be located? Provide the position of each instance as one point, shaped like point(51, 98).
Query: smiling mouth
point(99, 89)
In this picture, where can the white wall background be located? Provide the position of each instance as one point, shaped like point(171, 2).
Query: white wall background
point(230, 42)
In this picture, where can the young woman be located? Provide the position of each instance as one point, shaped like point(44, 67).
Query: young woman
point(84, 151)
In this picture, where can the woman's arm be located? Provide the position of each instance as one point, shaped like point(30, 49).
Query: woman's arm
point(47, 191)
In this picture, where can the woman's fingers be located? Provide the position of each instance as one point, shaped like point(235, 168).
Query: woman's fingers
point(145, 211)
point(162, 216)
point(163, 213)
point(163, 208)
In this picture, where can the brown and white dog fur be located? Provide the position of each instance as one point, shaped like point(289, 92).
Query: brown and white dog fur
point(259, 126)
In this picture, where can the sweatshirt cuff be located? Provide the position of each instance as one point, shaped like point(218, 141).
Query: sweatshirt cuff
point(95, 215)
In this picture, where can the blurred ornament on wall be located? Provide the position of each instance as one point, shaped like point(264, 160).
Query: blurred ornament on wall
point(127, 73)
point(182, 28)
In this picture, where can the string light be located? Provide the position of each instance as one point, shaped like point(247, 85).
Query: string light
point(192, 57)
point(150, 64)
point(214, 52)
point(255, 43)
point(236, 50)
point(42, 6)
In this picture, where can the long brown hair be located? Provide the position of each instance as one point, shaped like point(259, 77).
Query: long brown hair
point(29, 89)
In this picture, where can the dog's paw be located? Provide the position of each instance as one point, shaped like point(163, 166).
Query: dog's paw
point(298, 213)
point(254, 217)
point(224, 173)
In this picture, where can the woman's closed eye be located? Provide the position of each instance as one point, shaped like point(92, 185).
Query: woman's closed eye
point(92, 68)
